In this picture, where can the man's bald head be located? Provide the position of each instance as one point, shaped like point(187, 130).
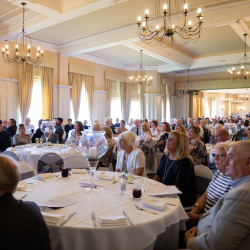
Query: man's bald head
point(221, 135)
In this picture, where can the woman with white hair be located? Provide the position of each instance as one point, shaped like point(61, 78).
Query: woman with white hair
point(130, 159)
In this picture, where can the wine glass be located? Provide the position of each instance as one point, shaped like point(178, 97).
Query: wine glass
point(92, 145)
point(47, 128)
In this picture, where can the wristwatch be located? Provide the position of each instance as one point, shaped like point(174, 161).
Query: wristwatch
point(197, 205)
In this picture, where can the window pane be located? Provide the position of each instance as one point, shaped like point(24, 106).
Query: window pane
point(135, 110)
point(115, 110)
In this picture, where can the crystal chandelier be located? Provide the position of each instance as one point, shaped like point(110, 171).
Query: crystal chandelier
point(23, 50)
point(153, 36)
point(243, 72)
point(227, 100)
point(188, 88)
point(236, 101)
point(141, 76)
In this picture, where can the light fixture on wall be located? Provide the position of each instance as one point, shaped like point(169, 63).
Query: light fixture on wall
point(22, 52)
point(243, 73)
point(188, 88)
point(155, 36)
point(141, 76)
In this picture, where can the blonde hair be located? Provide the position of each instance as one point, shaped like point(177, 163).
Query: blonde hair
point(108, 131)
point(182, 127)
point(147, 126)
point(221, 146)
point(182, 146)
point(22, 126)
point(9, 174)
point(97, 126)
point(129, 137)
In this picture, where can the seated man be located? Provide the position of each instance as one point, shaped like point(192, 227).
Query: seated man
point(29, 126)
point(137, 130)
point(109, 123)
point(39, 132)
point(227, 224)
point(68, 127)
point(5, 140)
point(12, 127)
point(59, 129)
point(5, 125)
point(22, 225)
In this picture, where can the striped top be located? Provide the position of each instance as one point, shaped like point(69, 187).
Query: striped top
point(219, 186)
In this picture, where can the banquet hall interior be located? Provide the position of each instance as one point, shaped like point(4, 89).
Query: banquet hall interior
point(150, 65)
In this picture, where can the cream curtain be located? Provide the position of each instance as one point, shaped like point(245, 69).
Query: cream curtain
point(164, 92)
point(122, 100)
point(128, 100)
point(108, 83)
point(75, 80)
point(140, 86)
point(89, 89)
point(207, 107)
point(201, 107)
point(25, 86)
point(197, 108)
point(168, 103)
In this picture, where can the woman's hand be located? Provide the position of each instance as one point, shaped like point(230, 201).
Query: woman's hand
point(193, 216)
point(190, 234)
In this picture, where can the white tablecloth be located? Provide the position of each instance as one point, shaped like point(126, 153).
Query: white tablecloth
point(32, 154)
point(149, 231)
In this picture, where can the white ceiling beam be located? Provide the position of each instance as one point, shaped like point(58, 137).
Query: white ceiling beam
point(241, 28)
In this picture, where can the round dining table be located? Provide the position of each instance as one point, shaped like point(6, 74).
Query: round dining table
point(150, 231)
point(30, 153)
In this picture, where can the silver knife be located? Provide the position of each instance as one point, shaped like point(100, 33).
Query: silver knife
point(128, 218)
point(38, 179)
point(67, 219)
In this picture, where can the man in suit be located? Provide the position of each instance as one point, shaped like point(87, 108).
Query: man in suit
point(227, 225)
point(108, 123)
point(12, 127)
point(5, 140)
point(39, 132)
point(22, 225)
point(137, 129)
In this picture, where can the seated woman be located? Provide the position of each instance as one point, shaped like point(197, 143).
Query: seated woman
point(161, 144)
point(130, 159)
point(146, 134)
point(197, 149)
point(155, 129)
point(76, 133)
point(104, 160)
point(219, 185)
point(176, 168)
point(22, 138)
point(96, 127)
point(181, 128)
point(122, 128)
point(85, 126)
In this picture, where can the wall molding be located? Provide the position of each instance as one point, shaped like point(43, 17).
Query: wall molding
point(114, 76)
point(79, 69)
point(100, 91)
point(4, 79)
point(62, 86)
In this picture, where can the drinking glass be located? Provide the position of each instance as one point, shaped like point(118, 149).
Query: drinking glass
point(92, 145)
point(37, 140)
point(137, 189)
point(65, 172)
point(47, 128)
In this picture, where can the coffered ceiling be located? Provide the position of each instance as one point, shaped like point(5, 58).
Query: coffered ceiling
point(105, 31)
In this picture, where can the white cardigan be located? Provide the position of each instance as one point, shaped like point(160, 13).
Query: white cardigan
point(136, 159)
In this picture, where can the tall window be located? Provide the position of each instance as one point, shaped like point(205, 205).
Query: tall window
point(36, 106)
point(115, 101)
point(135, 105)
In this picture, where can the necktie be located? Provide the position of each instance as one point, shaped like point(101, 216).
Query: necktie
point(137, 131)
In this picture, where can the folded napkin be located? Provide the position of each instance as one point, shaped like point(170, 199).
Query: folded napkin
point(79, 171)
point(159, 205)
point(21, 185)
point(105, 177)
point(45, 176)
point(114, 221)
point(53, 219)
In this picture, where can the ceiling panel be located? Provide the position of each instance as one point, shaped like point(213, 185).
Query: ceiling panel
point(124, 55)
point(6, 7)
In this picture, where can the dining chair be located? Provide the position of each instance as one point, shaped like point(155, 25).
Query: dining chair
point(26, 170)
point(12, 155)
point(50, 163)
point(76, 162)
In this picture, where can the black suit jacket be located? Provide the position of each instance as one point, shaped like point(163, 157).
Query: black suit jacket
point(5, 140)
point(22, 225)
point(12, 130)
point(38, 134)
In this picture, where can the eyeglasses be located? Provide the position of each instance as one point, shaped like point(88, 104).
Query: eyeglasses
point(219, 155)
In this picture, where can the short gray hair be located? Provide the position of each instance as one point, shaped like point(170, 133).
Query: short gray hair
point(221, 146)
point(108, 119)
point(9, 174)
point(242, 147)
point(129, 137)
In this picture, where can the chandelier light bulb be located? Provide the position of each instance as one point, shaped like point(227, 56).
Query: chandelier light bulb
point(28, 46)
point(42, 51)
point(28, 55)
point(199, 10)
point(173, 26)
point(238, 72)
point(247, 73)
point(17, 53)
point(16, 46)
point(189, 23)
point(2, 49)
point(37, 54)
point(229, 70)
point(157, 26)
point(185, 6)
point(38, 48)
point(242, 67)
point(165, 7)
point(146, 12)
point(139, 18)
point(7, 52)
point(233, 69)
point(6, 46)
point(143, 24)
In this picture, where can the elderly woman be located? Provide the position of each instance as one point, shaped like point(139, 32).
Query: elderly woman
point(176, 168)
point(155, 129)
point(219, 185)
point(146, 134)
point(122, 128)
point(22, 138)
point(161, 144)
point(76, 133)
point(197, 149)
point(181, 128)
point(96, 127)
point(104, 160)
point(130, 159)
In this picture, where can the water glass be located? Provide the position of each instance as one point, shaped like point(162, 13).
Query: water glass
point(137, 189)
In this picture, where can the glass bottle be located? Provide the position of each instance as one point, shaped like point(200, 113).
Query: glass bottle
point(123, 184)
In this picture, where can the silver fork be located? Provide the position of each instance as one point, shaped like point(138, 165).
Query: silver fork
point(93, 218)
point(145, 210)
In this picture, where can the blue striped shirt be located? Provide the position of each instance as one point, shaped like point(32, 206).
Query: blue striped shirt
point(219, 186)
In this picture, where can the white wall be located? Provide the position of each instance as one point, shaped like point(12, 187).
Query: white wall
point(99, 109)
point(152, 107)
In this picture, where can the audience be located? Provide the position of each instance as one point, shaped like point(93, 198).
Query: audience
point(12, 127)
point(108, 123)
point(22, 138)
point(146, 134)
point(22, 225)
point(226, 225)
point(176, 168)
point(121, 128)
point(197, 149)
point(5, 125)
point(117, 124)
point(39, 132)
point(130, 159)
point(137, 130)
point(59, 131)
point(68, 127)
point(161, 144)
point(76, 133)
point(5, 140)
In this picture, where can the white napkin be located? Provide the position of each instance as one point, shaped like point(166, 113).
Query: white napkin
point(11, 149)
point(21, 185)
point(159, 205)
point(45, 176)
point(79, 171)
point(53, 219)
point(114, 221)
point(25, 152)
point(105, 177)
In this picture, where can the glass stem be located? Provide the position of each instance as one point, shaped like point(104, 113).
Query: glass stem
point(92, 180)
